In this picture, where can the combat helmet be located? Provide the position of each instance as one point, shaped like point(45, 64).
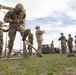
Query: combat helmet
point(37, 27)
point(69, 34)
point(19, 7)
point(61, 33)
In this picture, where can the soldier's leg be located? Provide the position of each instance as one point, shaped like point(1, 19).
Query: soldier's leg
point(0, 52)
point(12, 33)
point(70, 49)
point(63, 49)
point(30, 49)
point(23, 32)
point(1, 47)
point(39, 47)
point(21, 29)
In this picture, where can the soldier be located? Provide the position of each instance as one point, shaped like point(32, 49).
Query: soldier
point(1, 37)
point(63, 43)
point(39, 38)
point(70, 44)
point(15, 18)
point(30, 39)
point(75, 42)
point(52, 46)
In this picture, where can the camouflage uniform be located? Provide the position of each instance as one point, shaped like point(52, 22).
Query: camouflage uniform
point(70, 44)
point(63, 43)
point(15, 18)
point(1, 38)
point(52, 46)
point(30, 39)
point(75, 42)
point(39, 38)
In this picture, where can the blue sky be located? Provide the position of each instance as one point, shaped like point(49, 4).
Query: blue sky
point(53, 16)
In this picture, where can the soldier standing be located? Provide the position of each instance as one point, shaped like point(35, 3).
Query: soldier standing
point(70, 44)
point(1, 37)
point(75, 42)
point(63, 43)
point(16, 19)
point(39, 38)
point(52, 46)
point(30, 39)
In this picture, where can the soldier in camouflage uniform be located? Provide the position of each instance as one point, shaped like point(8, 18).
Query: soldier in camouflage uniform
point(70, 44)
point(15, 18)
point(1, 37)
point(63, 43)
point(52, 46)
point(39, 37)
point(75, 42)
point(30, 39)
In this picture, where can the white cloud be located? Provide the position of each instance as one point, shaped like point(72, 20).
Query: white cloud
point(47, 7)
point(71, 13)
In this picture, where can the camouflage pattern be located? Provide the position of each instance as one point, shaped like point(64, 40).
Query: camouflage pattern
point(25, 34)
point(1, 37)
point(70, 44)
point(75, 42)
point(63, 43)
point(1, 41)
point(30, 39)
point(39, 37)
point(15, 18)
point(52, 46)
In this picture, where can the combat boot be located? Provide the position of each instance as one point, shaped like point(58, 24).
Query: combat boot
point(9, 53)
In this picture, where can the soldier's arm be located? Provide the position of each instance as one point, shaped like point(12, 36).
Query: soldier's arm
point(72, 39)
point(7, 17)
point(24, 17)
point(59, 39)
point(5, 7)
point(41, 32)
